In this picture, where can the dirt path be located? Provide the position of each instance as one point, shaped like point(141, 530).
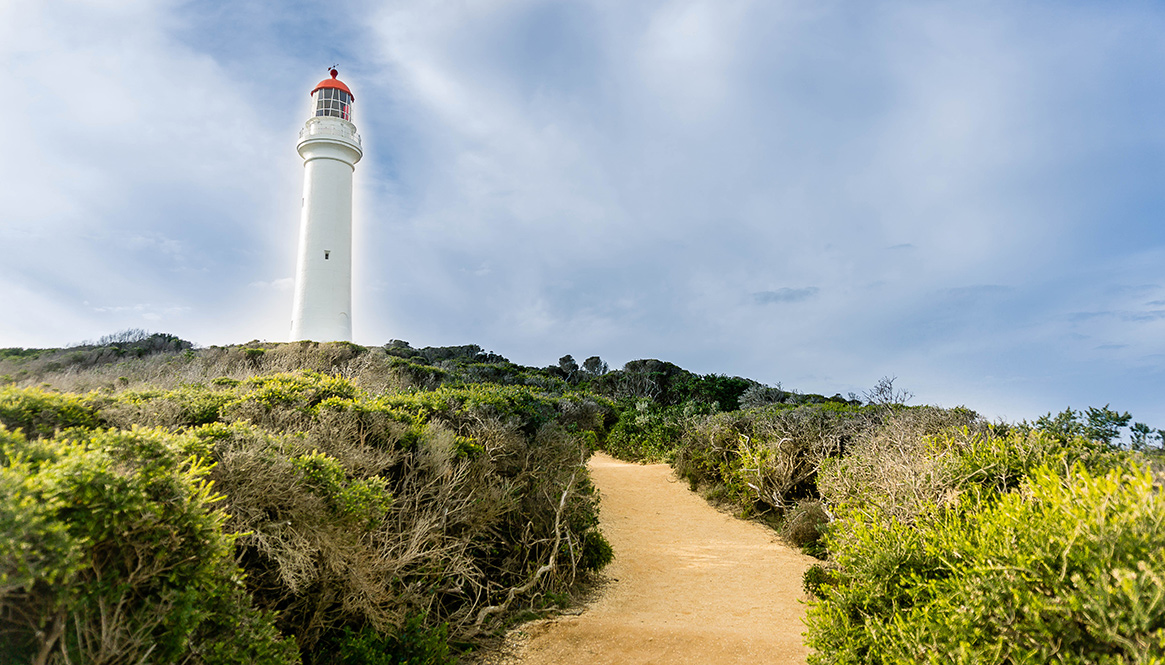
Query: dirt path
point(689, 584)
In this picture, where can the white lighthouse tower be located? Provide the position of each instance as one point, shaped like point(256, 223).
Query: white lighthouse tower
point(330, 148)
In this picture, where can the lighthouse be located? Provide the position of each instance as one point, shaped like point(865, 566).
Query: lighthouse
point(330, 148)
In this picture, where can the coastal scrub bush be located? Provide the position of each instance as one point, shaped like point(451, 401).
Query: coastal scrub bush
point(646, 432)
point(414, 643)
point(596, 551)
point(185, 406)
point(341, 531)
point(758, 396)
point(419, 516)
point(766, 459)
point(1067, 567)
point(299, 391)
point(364, 500)
point(41, 412)
point(804, 525)
point(921, 458)
point(817, 579)
point(902, 461)
point(581, 412)
point(113, 552)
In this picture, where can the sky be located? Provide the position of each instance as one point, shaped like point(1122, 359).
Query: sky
point(965, 195)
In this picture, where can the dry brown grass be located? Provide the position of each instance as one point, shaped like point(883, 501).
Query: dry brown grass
point(764, 459)
point(431, 554)
point(73, 371)
point(896, 465)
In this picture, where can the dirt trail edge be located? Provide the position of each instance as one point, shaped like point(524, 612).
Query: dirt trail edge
point(689, 584)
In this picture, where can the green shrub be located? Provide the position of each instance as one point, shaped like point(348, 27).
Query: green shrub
point(505, 403)
point(804, 525)
point(113, 553)
point(414, 643)
point(418, 375)
point(41, 412)
point(646, 433)
point(186, 406)
point(302, 390)
point(817, 579)
point(580, 412)
point(764, 460)
point(354, 534)
point(904, 467)
point(351, 510)
point(1064, 568)
point(596, 551)
point(364, 500)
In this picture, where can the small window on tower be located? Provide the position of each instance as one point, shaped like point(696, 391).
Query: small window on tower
point(327, 254)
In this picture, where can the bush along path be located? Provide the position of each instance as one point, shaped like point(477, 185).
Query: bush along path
point(689, 584)
point(335, 504)
point(285, 518)
point(946, 539)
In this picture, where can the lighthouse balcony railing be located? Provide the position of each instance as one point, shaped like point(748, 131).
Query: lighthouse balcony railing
point(321, 127)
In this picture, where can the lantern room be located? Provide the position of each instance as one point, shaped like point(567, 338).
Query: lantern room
point(331, 98)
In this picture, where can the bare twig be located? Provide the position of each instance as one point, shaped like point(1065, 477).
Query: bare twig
point(549, 566)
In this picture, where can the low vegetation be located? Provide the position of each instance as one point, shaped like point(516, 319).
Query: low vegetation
point(943, 538)
point(228, 505)
point(332, 503)
point(992, 544)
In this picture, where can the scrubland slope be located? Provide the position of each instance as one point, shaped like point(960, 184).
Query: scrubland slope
point(342, 504)
point(944, 538)
point(343, 516)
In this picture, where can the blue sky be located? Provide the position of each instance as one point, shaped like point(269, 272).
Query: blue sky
point(966, 195)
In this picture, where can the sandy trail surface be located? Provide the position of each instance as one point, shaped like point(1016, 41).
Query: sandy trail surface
point(688, 584)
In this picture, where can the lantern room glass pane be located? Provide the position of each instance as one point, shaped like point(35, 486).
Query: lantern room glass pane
point(333, 103)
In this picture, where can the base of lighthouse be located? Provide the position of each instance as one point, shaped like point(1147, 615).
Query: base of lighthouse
point(322, 310)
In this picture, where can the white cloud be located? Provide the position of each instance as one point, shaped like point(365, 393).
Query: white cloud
point(280, 284)
point(687, 55)
point(731, 150)
point(144, 168)
point(806, 192)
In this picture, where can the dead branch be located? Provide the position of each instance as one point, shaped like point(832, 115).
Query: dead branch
point(542, 570)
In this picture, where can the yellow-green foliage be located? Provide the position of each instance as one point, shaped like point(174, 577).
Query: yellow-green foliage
point(303, 390)
point(295, 401)
point(364, 500)
point(326, 542)
point(902, 467)
point(111, 547)
point(766, 459)
point(972, 545)
point(41, 412)
point(646, 432)
point(481, 400)
point(185, 406)
point(349, 510)
point(1066, 568)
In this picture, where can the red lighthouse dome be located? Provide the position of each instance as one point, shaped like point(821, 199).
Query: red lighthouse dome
point(332, 98)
